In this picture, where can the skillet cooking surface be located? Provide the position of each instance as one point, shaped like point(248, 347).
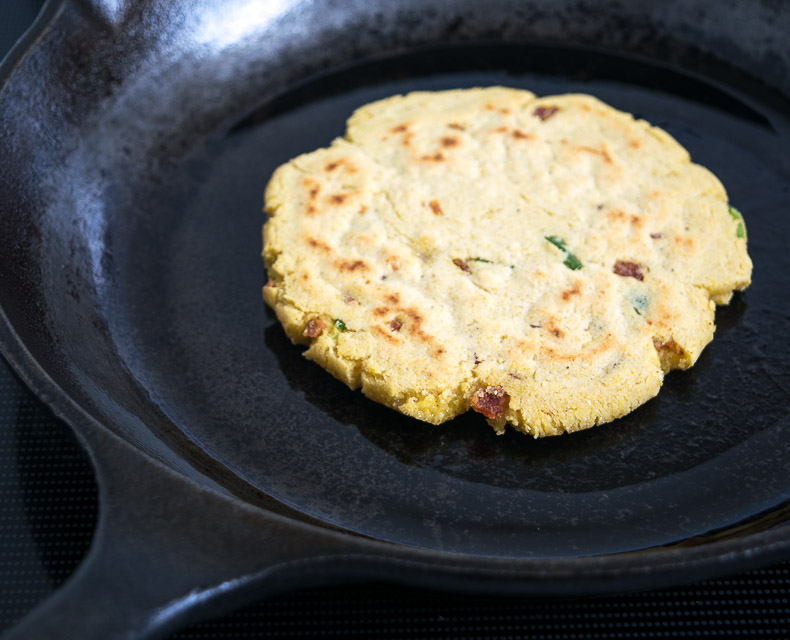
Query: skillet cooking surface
point(175, 238)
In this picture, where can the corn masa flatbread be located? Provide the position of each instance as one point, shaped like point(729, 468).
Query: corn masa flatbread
point(543, 261)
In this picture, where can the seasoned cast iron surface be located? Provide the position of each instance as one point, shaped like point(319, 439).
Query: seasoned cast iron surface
point(177, 243)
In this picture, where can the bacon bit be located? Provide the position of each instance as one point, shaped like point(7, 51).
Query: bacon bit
point(629, 270)
point(435, 207)
point(491, 401)
point(544, 113)
point(656, 236)
point(477, 361)
point(669, 346)
point(536, 326)
point(461, 265)
point(314, 328)
point(395, 325)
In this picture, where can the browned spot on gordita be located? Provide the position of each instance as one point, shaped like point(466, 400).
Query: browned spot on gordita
point(436, 207)
point(318, 244)
point(461, 265)
point(392, 298)
point(637, 221)
point(348, 298)
point(413, 314)
point(554, 330)
point(387, 335)
point(657, 235)
point(520, 135)
point(311, 210)
point(456, 126)
point(628, 269)
point(381, 311)
point(395, 324)
point(598, 152)
point(575, 290)
point(634, 144)
point(439, 352)
point(314, 328)
point(400, 128)
point(448, 142)
point(502, 110)
point(393, 262)
point(331, 166)
point(338, 198)
point(436, 157)
point(362, 209)
point(499, 130)
point(685, 241)
point(352, 265)
point(615, 215)
point(269, 284)
point(313, 188)
point(545, 112)
point(492, 402)
point(305, 276)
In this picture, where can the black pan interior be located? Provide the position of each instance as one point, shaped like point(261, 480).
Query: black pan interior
point(152, 287)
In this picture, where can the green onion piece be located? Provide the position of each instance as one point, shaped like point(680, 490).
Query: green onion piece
point(340, 325)
point(740, 230)
point(557, 242)
point(736, 215)
point(639, 303)
point(572, 262)
point(481, 260)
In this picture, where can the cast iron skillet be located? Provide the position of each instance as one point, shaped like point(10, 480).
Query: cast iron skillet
point(137, 138)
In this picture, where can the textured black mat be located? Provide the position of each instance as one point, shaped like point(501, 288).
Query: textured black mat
point(48, 507)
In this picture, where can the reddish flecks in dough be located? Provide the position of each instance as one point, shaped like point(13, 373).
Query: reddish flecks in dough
point(629, 269)
point(491, 401)
point(314, 328)
point(436, 207)
point(544, 113)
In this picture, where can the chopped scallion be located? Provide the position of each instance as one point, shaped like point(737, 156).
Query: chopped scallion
point(571, 261)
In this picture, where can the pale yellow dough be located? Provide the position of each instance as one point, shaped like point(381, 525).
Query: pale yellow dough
point(412, 257)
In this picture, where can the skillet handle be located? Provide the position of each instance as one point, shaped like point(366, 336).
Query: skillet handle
point(167, 552)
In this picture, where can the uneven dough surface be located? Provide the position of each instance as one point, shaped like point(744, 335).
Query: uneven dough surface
point(543, 261)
